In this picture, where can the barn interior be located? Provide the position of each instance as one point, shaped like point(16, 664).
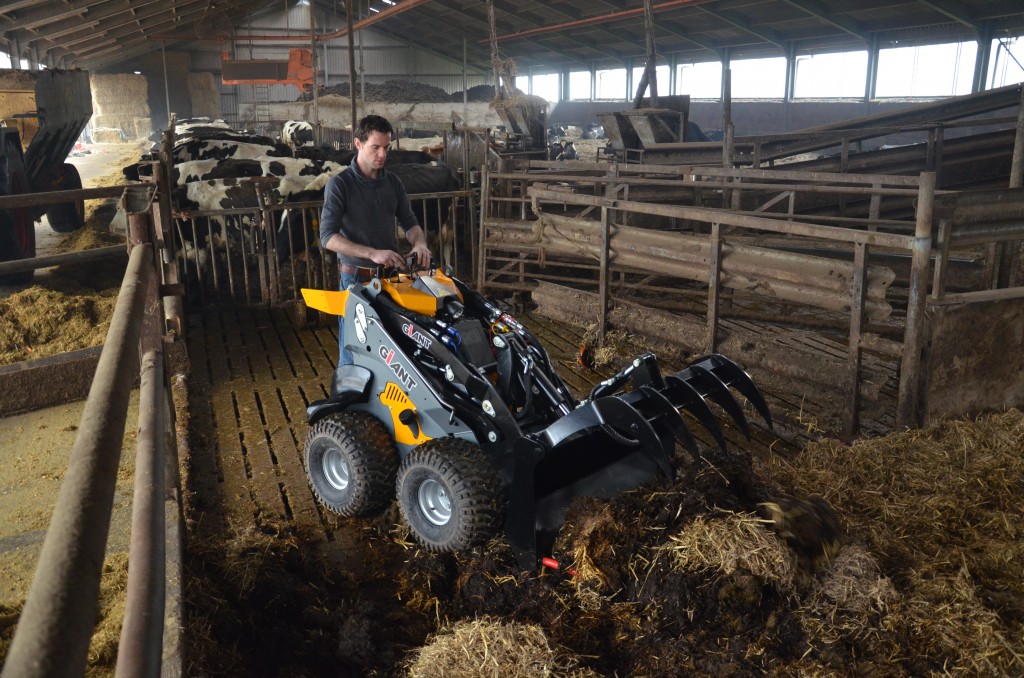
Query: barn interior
point(683, 178)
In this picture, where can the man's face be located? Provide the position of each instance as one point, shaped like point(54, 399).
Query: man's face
point(374, 151)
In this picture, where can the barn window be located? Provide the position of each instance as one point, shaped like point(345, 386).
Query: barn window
point(759, 78)
point(579, 85)
point(831, 75)
point(700, 81)
point(927, 70)
point(1006, 66)
point(611, 84)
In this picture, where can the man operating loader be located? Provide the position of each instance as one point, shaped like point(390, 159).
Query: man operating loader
point(361, 204)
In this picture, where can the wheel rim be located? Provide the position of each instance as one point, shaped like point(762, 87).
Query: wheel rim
point(336, 470)
point(434, 502)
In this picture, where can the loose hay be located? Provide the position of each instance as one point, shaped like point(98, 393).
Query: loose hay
point(848, 603)
point(940, 510)
point(488, 647)
point(729, 542)
point(102, 656)
point(39, 322)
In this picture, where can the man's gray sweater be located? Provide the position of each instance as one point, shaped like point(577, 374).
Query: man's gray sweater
point(363, 210)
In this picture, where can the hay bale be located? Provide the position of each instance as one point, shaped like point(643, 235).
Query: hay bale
point(733, 542)
point(118, 101)
point(142, 127)
point(123, 94)
point(204, 95)
point(107, 135)
point(488, 647)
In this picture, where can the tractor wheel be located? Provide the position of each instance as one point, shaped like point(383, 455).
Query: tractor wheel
point(67, 216)
point(449, 495)
point(17, 230)
point(351, 463)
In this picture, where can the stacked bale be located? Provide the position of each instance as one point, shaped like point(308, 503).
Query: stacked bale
point(204, 95)
point(120, 104)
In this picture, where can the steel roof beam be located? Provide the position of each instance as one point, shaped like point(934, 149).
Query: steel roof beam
point(825, 14)
point(743, 23)
point(954, 10)
point(34, 16)
point(15, 6)
point(50, 35)
point(131, 37)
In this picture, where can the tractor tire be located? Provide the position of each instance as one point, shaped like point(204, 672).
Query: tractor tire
point(449, 495)
point(67, 216)
point(17, 229)
point(351, 464)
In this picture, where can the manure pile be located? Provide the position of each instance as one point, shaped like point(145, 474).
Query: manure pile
point(688, 577)
point(407, 91)
point(390, 92)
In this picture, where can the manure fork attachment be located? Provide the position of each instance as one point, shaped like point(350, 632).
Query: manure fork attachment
point(455, 408)
point(613, 442)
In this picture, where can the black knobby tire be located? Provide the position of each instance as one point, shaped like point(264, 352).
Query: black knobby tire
point(17, 230)
point(67, 216)
point(351, 464)
point(449, 495)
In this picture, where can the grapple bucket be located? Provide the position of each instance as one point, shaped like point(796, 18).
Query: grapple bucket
point(616, 441)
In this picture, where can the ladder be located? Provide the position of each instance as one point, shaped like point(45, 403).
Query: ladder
point(261, 107)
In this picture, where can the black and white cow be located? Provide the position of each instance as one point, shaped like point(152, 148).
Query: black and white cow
point(563, 150)
point(297, 133)
point(223, 149)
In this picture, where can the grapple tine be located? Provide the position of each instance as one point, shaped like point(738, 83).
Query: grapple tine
point(621, 416)
point(736, 377)
point(684, 395)
point(711, 386)
point(672, 418)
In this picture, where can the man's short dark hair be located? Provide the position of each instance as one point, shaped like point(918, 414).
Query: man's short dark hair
point(373, 123)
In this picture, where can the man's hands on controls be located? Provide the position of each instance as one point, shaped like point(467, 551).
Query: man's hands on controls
point(422, 254)
point(387, 258)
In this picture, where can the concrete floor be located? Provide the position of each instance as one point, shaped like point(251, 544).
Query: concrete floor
point(36, 448)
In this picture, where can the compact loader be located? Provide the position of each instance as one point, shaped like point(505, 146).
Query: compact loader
point(455, 407)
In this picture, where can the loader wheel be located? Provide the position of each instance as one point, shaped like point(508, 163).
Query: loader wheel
point(67, 216)
point(17, 230)
point(449, 495)
point(351, 463)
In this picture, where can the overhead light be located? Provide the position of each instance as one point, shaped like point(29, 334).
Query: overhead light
point(302, 3)
point(137, 72)
point(389, 2)
point(374, 10)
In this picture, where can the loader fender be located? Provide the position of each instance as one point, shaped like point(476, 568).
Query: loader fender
point(350, 385)
point(327, 301)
